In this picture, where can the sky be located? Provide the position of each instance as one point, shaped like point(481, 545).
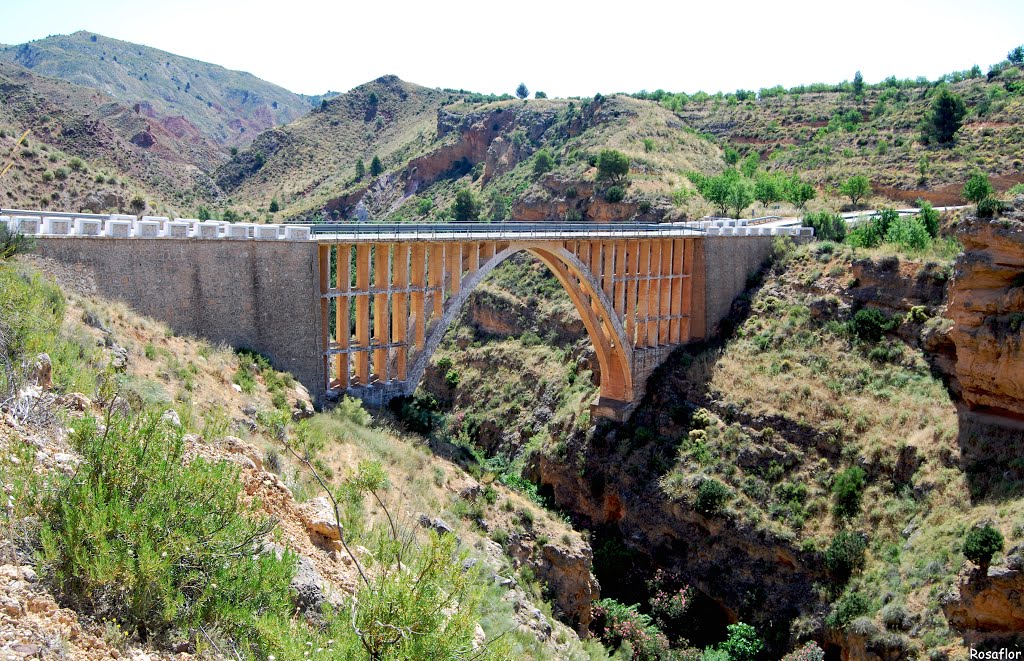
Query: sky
point(564, 48)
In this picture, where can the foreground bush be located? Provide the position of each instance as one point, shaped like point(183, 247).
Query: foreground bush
point(981, 544)
point(139, 537)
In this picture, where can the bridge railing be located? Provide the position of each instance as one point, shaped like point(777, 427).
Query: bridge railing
point(65, 224)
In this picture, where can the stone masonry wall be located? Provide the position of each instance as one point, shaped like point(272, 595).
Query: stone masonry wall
point(728, 261)
point(259, 295)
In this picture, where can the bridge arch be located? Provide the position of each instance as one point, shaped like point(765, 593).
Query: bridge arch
point(606, 333)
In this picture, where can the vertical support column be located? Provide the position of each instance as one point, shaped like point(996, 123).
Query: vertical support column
point(324, 263)
point(400, 309)
point(455, 267)
point(473, 259)
point(437, 277)
point(675, 327)
point(342, 332)
point(632, 253)
point(686, 328)
point(608, 269)
point(643, 298)
point(698, 283)
point(666, 292)
point(654, 294)
point(619, 301)
point(418, 281)
point(381, 334)
point(362, 296)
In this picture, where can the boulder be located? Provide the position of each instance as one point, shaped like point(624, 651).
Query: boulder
point(318, 517)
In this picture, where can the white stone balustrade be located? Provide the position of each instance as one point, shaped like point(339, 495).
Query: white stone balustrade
point(57, 226)
point(207, 230)
point(267, 232)
point(160, 220)
point(238, 231)
point(177, 229)
point(88, 227)
point(147, 229)
point(27, 225)
point(119, 229)
point(297, 233)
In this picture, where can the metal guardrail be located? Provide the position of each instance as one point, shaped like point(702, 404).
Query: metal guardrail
point(54, 214)
point(442, 231)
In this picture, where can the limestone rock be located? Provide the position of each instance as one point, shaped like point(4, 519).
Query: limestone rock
point(170, 417)
point(986, 304)
point(237, 446)
point(42, 371)
point(318, 517)
point(993, 602)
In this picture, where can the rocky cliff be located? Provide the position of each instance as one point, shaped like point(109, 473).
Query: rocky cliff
point(986, 304)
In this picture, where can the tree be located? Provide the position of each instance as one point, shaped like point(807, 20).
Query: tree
point(978, 188)
point(274, 206)
point(767, 189)
point(827, 226)
point(856, 188)
point(375, 167)
point(540, 95)
point(466, 209)
point(1016, 56)
point(743, 643)
point(522, 91)
point(613, 167)
point(848, 487)
point(944, 118)
point(741, 195)
point(799, 193)
point(360, 170)
point(929, 218)
point(717, 190)
point(845, 555)
point(981, 544)
point(750, 164)
point(858, 84)
point(137, 204)
point(542, 162)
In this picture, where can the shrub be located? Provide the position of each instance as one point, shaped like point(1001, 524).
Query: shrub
point(809, 652)
point(274, 206)
point(376, 167)
point(856, 188)
point(981, 544)
point(76, 164)
point(743, 643)
point(615, 194)
point(48, 176)
point(870, 325)
point(140, 536)
point(711, 496)
point(845, 555)
point(909, 234)
point(61, 173)
point(466, 208)
point(849, 607)
point(542, 162)
point(895, 617)
point(929, 218)
point(827, 226)
point(943, 118)
point(848, 490)
point(625, 624)
point(977, 189)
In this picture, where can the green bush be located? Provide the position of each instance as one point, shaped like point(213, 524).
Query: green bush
point(827, 226)
point(615, 194)
point(626, 624)
point(978, 188)
point(845, 555)
point(743, 643)
point(542, 162)
point(909, 234)
point(849, 607)
point(848, 490)
point(981, 544)
point(139, 536)
point(711, 496)
point(612, 166)
point(929, 218)
point(809, 652)
point(870, 325)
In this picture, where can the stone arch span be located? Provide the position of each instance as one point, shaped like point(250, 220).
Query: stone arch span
point(606, 333)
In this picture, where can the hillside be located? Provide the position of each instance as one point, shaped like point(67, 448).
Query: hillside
point(180, 94)
point(430, 143)
point(83, 151)
point(830, 134)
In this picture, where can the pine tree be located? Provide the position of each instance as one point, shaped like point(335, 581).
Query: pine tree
point(375, 167)
point(522, 92)
point(360, 170)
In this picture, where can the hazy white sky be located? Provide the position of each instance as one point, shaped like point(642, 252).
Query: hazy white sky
point(564, 48)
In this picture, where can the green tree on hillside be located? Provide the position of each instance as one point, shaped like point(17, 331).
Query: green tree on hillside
point(375, 166)
point(978, 188)
point(274, 206)
point(540, 95)
point(858, 84)
point(466, 209)
point(799, 193)
point(542, 162)
point(741, 195)
point(767, 189)
point(944, 118)
point(981, 544)
point(1016, 56)
point(856, 188)
point(613, 167)
point(360, 170)
point(522, 91)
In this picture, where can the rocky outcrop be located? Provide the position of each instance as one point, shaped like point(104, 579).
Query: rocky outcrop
point(557, 197)
point(986, 304)
point(992, 602)
point(566, 569)
point(897, 286)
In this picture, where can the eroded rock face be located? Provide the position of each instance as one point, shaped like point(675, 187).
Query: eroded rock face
point(986, 304)
point(993, 602)
point(566, 569)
